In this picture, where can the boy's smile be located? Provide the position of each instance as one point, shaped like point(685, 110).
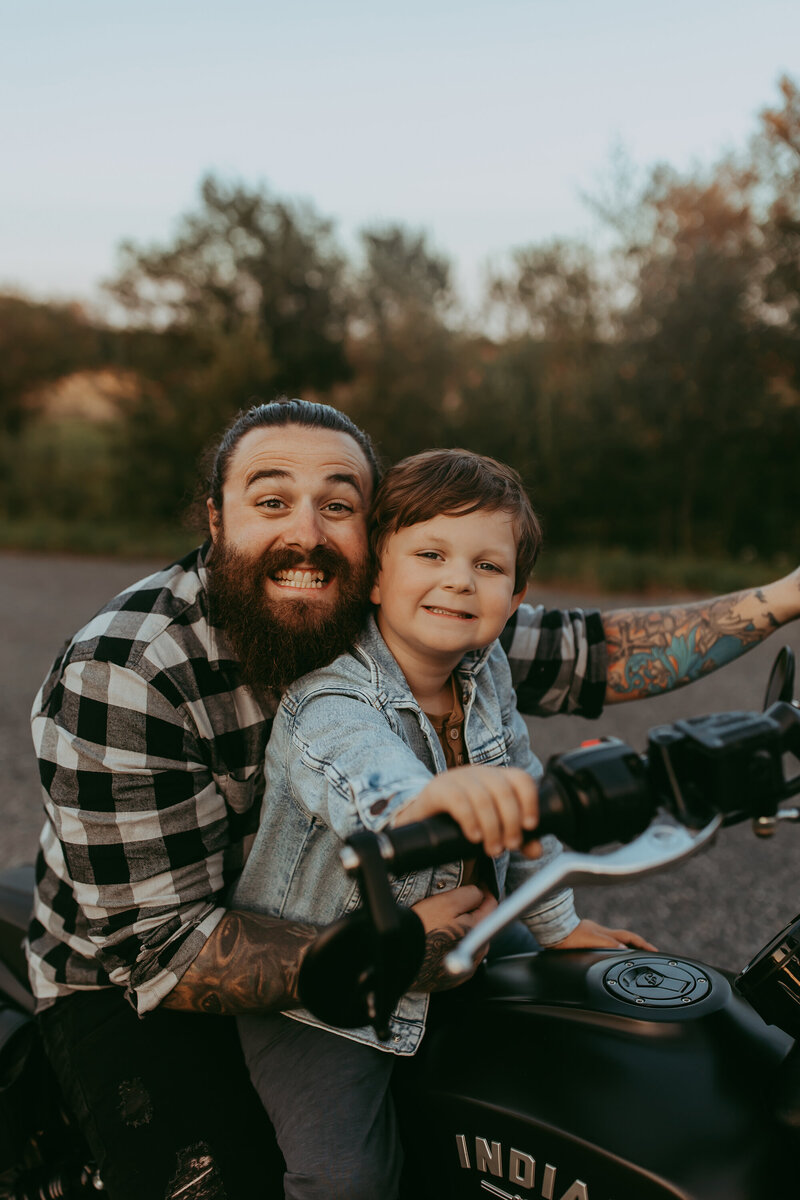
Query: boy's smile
point(446, 586)
point(448, 612)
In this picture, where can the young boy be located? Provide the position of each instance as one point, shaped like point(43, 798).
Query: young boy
point(419, 717)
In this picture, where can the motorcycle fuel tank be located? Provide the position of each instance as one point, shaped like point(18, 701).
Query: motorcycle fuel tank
point(593, 1075)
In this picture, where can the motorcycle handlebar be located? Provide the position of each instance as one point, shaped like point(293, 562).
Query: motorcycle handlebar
point(587, 798)
point(439, 839)
point(727, 764)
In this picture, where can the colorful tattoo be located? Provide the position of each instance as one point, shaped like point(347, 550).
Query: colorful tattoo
point(653, 650)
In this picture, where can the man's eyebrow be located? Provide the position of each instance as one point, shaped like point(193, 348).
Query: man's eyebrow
point(265, 473)
point(344, 477)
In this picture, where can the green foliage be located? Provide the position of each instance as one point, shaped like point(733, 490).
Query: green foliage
point(407, 361)
point(40, 343)
point(61, 470)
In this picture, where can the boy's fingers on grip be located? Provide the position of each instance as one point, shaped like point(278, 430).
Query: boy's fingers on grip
point(510, 813)
point(527, 794)
point(464, 812)
point(485, 807)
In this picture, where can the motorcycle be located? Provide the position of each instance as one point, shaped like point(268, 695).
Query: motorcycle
point(564, 1075)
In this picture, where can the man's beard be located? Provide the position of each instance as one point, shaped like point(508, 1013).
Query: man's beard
point(276, 641)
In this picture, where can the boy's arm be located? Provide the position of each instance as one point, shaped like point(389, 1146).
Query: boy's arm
point(346, 766)
point(652, 650)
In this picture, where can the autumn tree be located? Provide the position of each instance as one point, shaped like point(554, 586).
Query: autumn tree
point(406, 357)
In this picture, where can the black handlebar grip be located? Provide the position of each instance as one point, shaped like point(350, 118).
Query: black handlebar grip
point(439, 839)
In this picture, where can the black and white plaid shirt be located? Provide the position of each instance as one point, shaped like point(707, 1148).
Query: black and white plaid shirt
point(151, 756)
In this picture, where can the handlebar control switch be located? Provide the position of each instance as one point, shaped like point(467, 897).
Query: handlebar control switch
point(722, 763)
point(604, 794)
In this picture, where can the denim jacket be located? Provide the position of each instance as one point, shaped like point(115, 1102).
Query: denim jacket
point(350, 747)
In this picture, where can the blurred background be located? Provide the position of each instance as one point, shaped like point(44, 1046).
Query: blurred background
point(564, 234)
point(560, 232)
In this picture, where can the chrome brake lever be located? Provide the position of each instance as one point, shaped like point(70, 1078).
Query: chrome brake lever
point(663, 843)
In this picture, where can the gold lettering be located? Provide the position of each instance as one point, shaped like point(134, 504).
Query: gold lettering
point(521, 1168)
point(461, 1146)
point(486, 1159)
point(578, 1191)
point(548, 1182)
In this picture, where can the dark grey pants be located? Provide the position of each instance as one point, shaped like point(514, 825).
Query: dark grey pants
point(329, 1100)
point(165, 1103)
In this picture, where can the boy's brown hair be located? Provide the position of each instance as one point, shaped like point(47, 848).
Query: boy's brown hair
point(449, 483)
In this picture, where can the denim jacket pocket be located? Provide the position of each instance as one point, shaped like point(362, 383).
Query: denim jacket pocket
point(492, 753)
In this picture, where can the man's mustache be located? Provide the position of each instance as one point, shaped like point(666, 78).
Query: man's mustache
point(321, 558)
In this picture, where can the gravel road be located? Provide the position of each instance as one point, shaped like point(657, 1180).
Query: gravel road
point(721, 906)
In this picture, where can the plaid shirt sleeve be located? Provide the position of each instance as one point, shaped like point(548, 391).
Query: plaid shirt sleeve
point(558, 661)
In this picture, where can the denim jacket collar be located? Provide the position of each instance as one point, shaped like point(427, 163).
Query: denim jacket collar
point(385, 671)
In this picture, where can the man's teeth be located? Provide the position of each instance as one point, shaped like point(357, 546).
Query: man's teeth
point(300, 579)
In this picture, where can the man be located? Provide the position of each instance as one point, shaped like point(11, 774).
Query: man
point(151, 730)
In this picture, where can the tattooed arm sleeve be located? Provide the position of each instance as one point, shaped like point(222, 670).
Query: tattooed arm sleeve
point(652, 650)
point(251, 962)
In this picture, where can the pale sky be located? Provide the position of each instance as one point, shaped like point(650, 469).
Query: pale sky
point(480, 122)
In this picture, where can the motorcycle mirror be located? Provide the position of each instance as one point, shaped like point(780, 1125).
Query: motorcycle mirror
point(780, 685)
point(352, 976)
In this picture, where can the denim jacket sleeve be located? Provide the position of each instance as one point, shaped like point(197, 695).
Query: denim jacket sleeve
point(345, 763)
point(554, 917)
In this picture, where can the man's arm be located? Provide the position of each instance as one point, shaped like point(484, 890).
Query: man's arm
point(251, 963)
point(652, 650)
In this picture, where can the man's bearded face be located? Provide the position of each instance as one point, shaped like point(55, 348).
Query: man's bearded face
point(276, 640)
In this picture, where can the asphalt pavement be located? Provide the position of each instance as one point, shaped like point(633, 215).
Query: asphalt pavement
point(720, 907)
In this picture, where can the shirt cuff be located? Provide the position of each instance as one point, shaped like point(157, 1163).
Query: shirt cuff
point(160, 969)
point(557, 918)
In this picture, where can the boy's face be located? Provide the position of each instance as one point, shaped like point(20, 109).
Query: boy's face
point(446, 586)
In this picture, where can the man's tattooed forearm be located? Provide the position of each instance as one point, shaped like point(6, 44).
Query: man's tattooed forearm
point(432, 976)
point(250, 963)
point(652, 650)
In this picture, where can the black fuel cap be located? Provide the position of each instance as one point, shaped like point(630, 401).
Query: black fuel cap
point(655, 981)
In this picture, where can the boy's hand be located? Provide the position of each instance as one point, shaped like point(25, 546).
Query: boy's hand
point(447, 918)
point(591, 936)
point(493, 805)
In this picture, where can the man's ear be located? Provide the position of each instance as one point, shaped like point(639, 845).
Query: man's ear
point(214, 519)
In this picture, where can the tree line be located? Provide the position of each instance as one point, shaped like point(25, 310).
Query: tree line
point(648, 391)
